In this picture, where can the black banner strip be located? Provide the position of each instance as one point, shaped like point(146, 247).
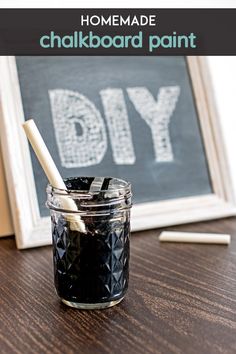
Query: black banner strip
point(117, 31)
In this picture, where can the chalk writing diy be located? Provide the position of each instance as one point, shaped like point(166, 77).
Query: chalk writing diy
point(88, 148)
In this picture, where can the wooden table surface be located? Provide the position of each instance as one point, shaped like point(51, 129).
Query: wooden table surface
point(181, 299)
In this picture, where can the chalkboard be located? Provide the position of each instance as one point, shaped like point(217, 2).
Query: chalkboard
point(128, 117)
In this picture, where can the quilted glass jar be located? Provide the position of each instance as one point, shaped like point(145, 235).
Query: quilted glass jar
point(90, 232)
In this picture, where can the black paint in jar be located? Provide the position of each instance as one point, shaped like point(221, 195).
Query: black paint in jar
point(91, 266)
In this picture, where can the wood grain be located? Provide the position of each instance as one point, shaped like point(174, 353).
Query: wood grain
point(181, 299)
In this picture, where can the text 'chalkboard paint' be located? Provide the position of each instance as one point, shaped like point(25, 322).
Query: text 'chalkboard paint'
point(128, 117)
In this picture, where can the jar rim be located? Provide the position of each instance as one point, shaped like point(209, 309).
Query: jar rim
point(76, 192)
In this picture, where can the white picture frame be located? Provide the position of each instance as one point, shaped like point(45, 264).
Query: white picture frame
point(6, 225)
point(32, 230)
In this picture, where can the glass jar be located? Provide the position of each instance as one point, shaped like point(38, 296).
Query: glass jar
point(90, 232)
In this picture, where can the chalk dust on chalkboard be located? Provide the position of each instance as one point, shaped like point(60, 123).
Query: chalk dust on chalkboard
point(127, 117)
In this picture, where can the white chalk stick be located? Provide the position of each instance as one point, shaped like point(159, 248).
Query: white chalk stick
point(194, 237)
point(51, 171)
